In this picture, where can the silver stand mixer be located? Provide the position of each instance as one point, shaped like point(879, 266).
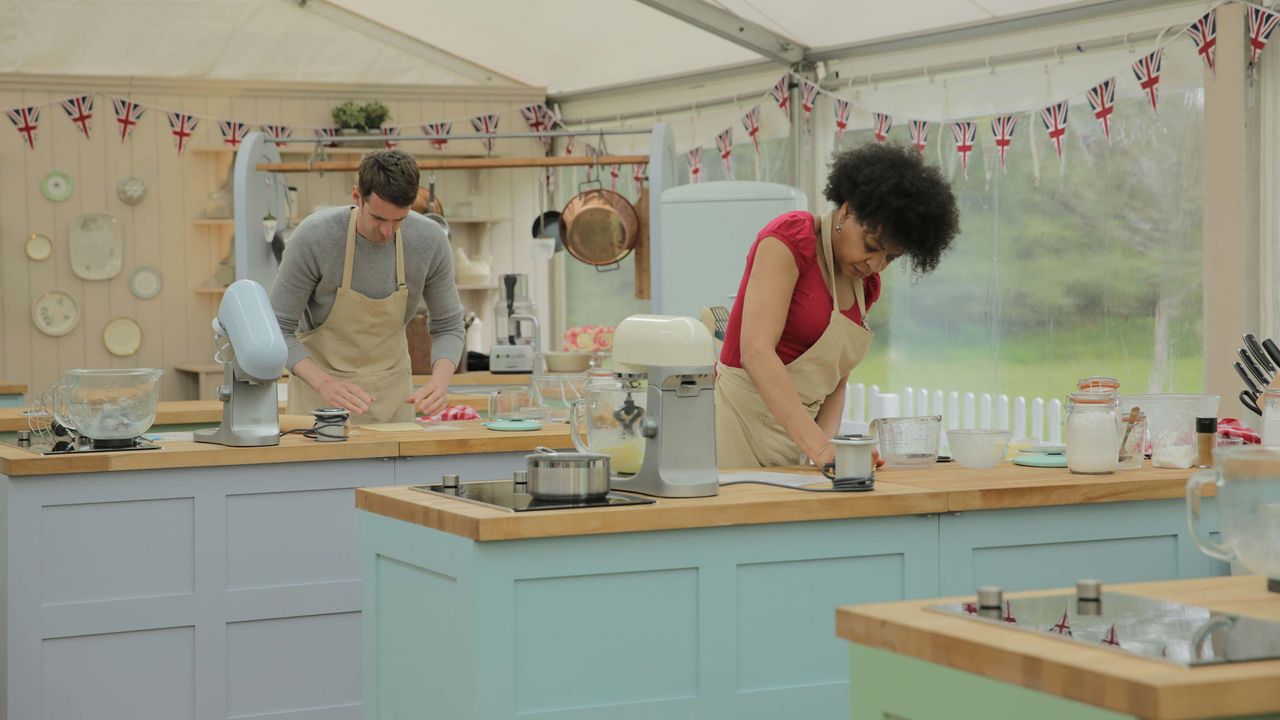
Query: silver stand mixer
point(252, 351)
point(675, 355)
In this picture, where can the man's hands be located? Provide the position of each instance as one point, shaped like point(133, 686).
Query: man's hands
point(432, 397)
point(345, 394)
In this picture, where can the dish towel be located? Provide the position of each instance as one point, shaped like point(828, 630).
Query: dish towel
point(454, 412)
point(1231, 427)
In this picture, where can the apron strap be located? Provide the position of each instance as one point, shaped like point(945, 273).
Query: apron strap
point(862, 302)
point(399, 260)
point(351, 250)
point(828, 253)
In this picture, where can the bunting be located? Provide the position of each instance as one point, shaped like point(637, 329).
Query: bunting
point(1204, 33)
point(615, 172)
point(884, 124)
point(1261, 22)
point(327, 133)
point(278, 133)
point(486, 125)
point(964, 133)
point(26, 120)
point(1054, 118)
point(809, 96)
point(1002, 131)
point(694, 158)
point(128, 113)
point(536, 116)
point(390, 133)
point(181, 127)
point(639, 176)
point(751, 123)
point(1102, 100)
point(1147, 70)
point(919, 130)
point(781, 93)
point(842, 118)
point(440, 130)
point(724, 143)
point(80, 110)
point(232, 132)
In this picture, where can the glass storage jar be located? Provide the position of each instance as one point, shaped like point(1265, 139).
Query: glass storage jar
point(1093, 435)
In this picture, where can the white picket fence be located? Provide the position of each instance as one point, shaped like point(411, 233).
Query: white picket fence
point(1035, 419)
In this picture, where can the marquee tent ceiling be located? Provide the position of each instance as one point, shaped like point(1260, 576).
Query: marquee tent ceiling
point(563, 45)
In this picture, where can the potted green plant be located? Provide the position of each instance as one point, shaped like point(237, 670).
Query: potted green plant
point(353, 118)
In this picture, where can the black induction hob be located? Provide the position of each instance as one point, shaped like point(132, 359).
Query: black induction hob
point(503, 495)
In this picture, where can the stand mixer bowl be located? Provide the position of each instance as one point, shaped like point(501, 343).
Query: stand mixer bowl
point(613, 412)
point(115, 404)
point(1248, 498)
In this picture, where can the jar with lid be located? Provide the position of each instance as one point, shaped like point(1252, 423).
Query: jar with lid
point(1099, 384)
point(1093, 439)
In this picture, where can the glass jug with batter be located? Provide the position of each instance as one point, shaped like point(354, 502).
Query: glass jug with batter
point(613, 410)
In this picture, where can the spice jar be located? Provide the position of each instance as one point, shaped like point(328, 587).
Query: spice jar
point(1206, 441)
point(1093, 436)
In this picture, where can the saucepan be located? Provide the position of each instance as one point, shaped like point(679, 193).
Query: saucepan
point(556, 475)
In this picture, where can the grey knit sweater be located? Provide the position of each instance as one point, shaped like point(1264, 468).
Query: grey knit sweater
point(311, 272)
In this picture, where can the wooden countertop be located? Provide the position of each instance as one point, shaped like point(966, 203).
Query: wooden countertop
point(1116, 681)
point(453, 438)
point(901, 491)
point(459, 379)
point(8, 388)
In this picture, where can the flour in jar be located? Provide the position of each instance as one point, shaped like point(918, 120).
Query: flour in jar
point(1093, 444)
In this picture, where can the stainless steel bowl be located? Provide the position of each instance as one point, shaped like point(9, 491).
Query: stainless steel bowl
point(557, 475)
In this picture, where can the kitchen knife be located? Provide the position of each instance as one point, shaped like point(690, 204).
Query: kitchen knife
point(1255, 347)
point(1260, 376)
point(1250, 402)
point(1248, 381)
point(1273, 351)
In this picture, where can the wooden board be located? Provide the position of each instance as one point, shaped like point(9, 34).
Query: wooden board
point(12, 388)
point(1100, 677)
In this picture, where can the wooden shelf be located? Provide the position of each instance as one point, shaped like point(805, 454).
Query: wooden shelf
point(473, 220)
point(214, 221)
point(306, 149)
point(210, 290)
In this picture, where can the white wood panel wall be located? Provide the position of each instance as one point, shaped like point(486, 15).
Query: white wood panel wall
point(160, 231)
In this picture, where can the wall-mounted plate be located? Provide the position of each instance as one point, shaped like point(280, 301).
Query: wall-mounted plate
point(122, 336)
point(145, 283)
point(55, 313)
point(39, 247)
point(96, 247)
point(57, 186)
point(131, 190)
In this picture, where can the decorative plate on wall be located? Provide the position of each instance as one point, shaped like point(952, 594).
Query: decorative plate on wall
point(55, 313)
point(131, 190)
point(39, 247)
point(122, 336)
point(57, 186)
point(145, 283)
point(97, 246)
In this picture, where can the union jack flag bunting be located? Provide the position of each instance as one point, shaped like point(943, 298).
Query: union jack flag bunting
point(128, 113)
point(278, 133)
point(327, 132)
point(1002, 130)
point(842, 118)
point(965, 133)
point(919, 130)
point(1054, 118)
point(1204, 33)
point(639, 175)
point(536, 116)
point(568, 144)
point(694, 158)
point(232, 132)
point(615, 172)
point(781, 93)
point(549, 180)
point(809, 97)
point(1147, 70)
point(884, 124)
point(182, 126)
point(751, 123)
point(27, 121)
point(1063, 627)
point(486, 125)
point(80, 110)
point(592, 152)
point(389, 133)
point(1110, 637)
point(1102, 99)
point(724, 143)
point(438, 129)
point(1261, 22)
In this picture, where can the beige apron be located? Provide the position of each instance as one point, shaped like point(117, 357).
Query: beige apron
point(362, 341)
point(747, 434)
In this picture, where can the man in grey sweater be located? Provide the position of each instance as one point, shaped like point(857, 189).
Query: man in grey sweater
point(350, 280)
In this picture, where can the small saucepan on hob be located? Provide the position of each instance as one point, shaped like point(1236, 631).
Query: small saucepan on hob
point(556, 475)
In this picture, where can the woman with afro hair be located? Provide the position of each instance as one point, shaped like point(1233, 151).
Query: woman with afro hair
point(798, 324)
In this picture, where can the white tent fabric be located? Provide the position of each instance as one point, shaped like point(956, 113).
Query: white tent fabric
point(562, 45)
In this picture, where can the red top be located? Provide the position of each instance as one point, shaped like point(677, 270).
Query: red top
point(810, 310)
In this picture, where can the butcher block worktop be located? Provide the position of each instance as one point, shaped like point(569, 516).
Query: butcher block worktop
point(902, 491)
point(1123, 683)
point(453, 438)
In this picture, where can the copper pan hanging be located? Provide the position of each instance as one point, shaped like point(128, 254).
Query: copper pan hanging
point(599, 227)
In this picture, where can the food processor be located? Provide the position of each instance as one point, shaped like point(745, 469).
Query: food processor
point(516, 349)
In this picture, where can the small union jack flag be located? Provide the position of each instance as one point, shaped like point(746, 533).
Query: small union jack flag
point(80, 110)
point(536, 116)
point(780, 92)
point(965, 133)
point(486, 125)
point(884, 124)
point(128, 113)
point(1063, 627)
point(389, 133)
point(327, 132)
point(1102, 100)
point(639, 175)
point(1054, 118)
point(27, 121)
point(440, 130)
point(568, 144)
point(1110, 637)
point(1261, 23)
point(1147, 70)
point(842, 118)
point(181, 127)
point(694, 158)
point(1002, 130)
point(919, 130)
point(724, 143)
point(1204, 33)
point(232, 132)
point(809, 96)
point(278, 133)
point(751, 123)
point(615, 172)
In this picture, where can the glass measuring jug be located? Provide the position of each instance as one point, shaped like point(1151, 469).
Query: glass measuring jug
point(613, 411)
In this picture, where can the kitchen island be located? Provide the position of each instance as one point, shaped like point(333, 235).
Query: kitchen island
point(719, 607)
point(200, 581)
point(979, 670)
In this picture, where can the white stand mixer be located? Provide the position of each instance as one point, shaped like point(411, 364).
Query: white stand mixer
point(676, 356)
point(252, 351)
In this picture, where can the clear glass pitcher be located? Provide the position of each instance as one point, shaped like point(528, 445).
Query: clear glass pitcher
point(107, 404)
point(908, 441)
point(613, 410)
point(1248, 485)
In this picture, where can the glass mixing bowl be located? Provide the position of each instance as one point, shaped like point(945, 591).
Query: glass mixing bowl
point(107, 404)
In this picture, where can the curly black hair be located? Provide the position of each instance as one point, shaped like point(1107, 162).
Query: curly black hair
point(898, 198)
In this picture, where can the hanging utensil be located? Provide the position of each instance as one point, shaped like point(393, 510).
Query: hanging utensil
point(1259, 354)
point(1261, 377)
point(1273, 351)
point(599, 227)
point(1250, 401)
point(1248, 381)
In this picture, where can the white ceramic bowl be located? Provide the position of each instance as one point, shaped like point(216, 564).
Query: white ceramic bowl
point(558, 361)
point(976, 448)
